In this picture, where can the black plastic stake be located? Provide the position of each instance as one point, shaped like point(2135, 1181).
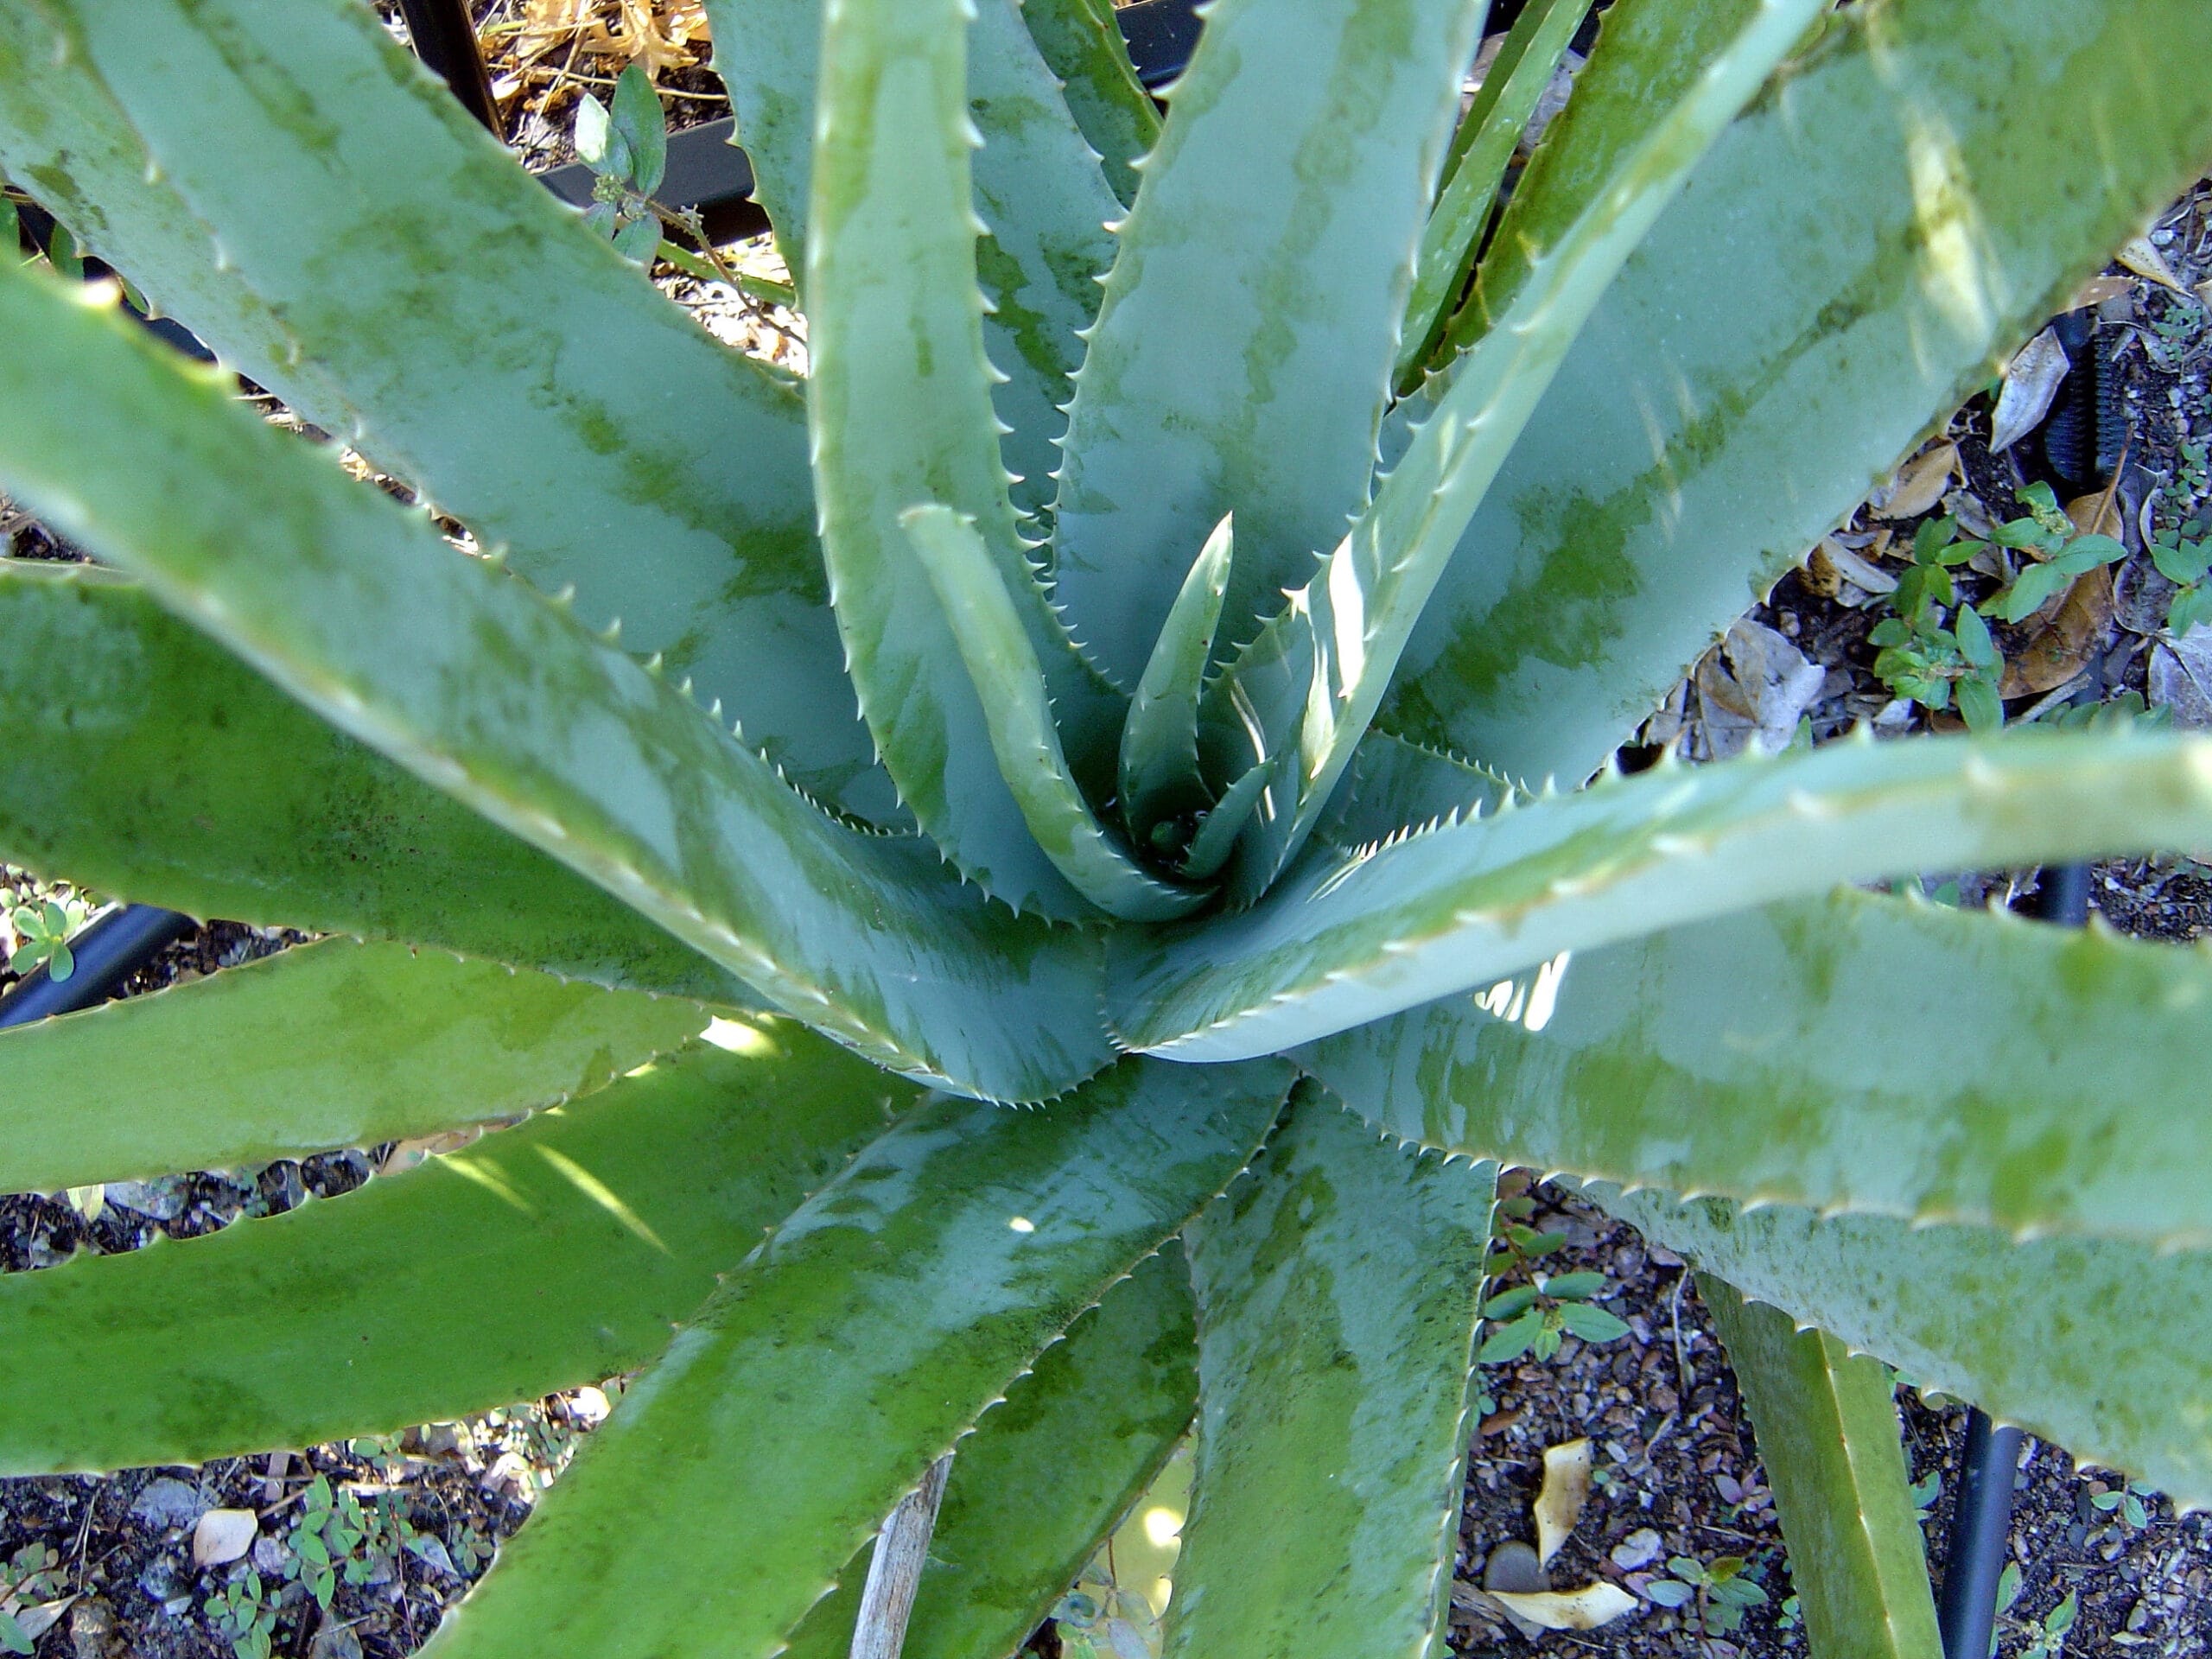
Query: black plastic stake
point(1981, 1524)
point(1981, 1520)
point(445, 40)
point(108, 952)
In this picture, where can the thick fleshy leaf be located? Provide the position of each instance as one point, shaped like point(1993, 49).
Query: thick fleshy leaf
point(987, 630)
point(160, 769)
point(1243, 352)
point(2035, 1333)
point(1348, 938)
point(1159, 772)
point(902, 418)
point(539, 1258)
point(1337, 1289)
point(1481, 150)
point(508, 704)
point(1827, 1423)
point(1887, 222)
point(852, 1351)
point(1361, 608)
point(662, 474)
point(1040, 187)
point(1044, 1477)
point(1850, 1053)
point(1086, 52)
point(329, 1045)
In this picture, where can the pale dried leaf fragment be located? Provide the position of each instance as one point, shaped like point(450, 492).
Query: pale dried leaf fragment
point(2057, 650)
point(2031, 381)
point(1585, 1609)
point(223, 1536)
point(2143, 259)
point(2181, 677)
point(1566, 1490)
point(1919, 484)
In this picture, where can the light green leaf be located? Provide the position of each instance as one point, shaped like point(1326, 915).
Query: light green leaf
point(1038, 186)
point(1047, 1473)
point(1085, 51)
point(476, 354)
point(1889, 221)
point(506, 703)
point(1361, 607)
point(1481, 150)
point(539, 1258)
point(2026, 1330)
point(1243, 351)
point(902, 416)
point(1010, 690)
point(849, 1352)
point(159, 769)
point(1827, 1431)
point(1722, 1058)
point(1349, 939)
point(1336, 1287)
point(1159, 772)
point(329, 1045)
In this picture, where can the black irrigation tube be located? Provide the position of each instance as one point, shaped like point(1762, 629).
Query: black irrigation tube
point(108, 952)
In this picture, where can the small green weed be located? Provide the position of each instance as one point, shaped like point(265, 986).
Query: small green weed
point(624, 144)
point(42, 932)
point(30, 1576)
point(2042, 1638)
point(2131, 1505)
point(1713, 1597)
point(1536, 1315)
point(1933, 649)
point(2183, 557)
point(245, 1613)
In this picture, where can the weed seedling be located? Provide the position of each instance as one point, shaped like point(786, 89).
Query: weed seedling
point(1933, 649)
point(2042, 1638)
point(1721, 1592)
point(2184, 557)
point(243, 1612)
point(1535, 1316)
point(42, 933)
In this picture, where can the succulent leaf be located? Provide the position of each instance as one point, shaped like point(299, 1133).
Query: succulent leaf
point(1086, 52)
point(1482, 150)
point(543, 1257)
point(507, 703)
point(1159, 773)
point(1362, 607)
point(2026, 1330)
point(849, 1352)
point(902, 416)
point(1718, 1058)
point(1337, 1284)
point(1348, 938)
point(1009, 687)
point(1242, 354)
point(1827, 1422)
point(1046, 1475)
point(160, 769)
point(1885, 224)
point(474, 354)
point(328, 1045)
point(1039, 185)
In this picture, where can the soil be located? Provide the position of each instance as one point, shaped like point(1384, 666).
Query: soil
point(1677, 1461)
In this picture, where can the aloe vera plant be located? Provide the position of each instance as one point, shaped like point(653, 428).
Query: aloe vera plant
point(1027, 884)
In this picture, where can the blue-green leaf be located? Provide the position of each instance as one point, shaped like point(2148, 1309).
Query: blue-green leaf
point(539, 1258)
point(1337, 1289)
point(1893, 216)
point(1348, 938)
point(1245, 349)
point(295, 196)
point(1082, 45)
point(848, 1353)
point(902, 416)
point(506, 703)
